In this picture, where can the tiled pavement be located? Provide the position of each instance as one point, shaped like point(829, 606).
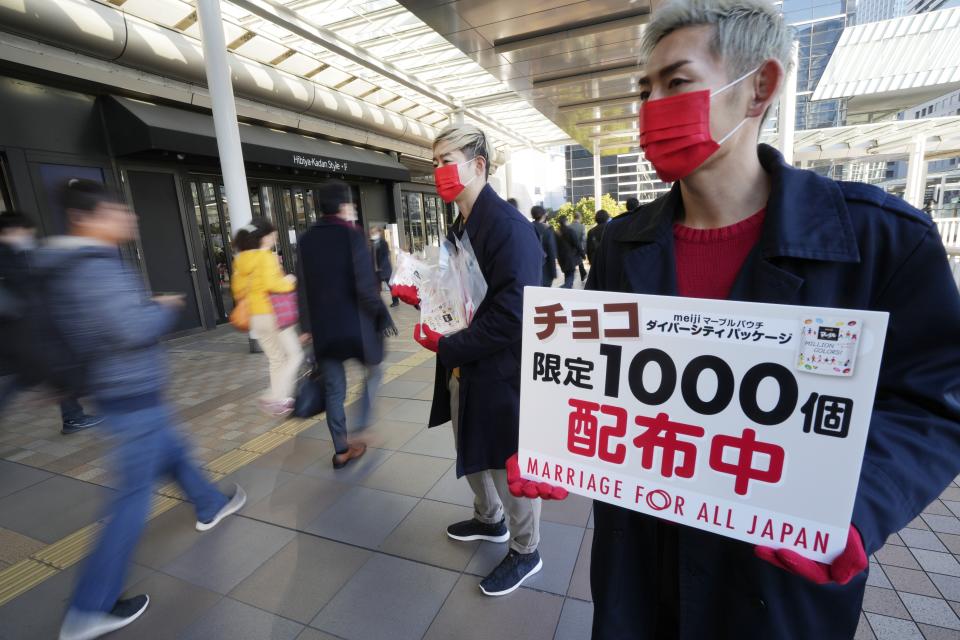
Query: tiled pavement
point(361, 553)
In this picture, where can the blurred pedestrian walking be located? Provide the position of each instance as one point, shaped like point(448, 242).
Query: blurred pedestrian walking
point(342, 310)
point(259, 279)
point(114, 328)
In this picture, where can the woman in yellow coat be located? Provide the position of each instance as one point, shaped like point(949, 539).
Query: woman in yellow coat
point(256, 275)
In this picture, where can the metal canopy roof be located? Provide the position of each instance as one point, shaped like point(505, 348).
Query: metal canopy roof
point(894, 64)
point(575, 61)
point(373, 50)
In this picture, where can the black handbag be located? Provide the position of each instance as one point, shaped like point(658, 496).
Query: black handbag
point(311, 395)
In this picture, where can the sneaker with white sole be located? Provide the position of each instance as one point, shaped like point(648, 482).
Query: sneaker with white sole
point(511, 573)
point(233, 505)
point(87, 625)
point(475, 530)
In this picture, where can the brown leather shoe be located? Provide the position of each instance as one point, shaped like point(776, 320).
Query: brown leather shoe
point(340, 460)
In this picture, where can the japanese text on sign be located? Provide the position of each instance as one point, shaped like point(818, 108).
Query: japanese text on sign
point(694, 411)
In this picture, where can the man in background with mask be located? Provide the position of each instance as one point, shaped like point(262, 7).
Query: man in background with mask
point(381, 259)
point(478, 368)
point(17, 239)
point(740, 224)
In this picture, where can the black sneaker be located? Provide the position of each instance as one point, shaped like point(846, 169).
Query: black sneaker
point(511, 572)
point(73, 426)
point(87, 625)
point(476, 530)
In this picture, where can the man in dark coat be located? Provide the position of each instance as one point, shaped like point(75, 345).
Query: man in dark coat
point(341, 310)
point(595, 235)
point(568, 252)
point(478, 368)
point(548, 242)
point(789, 237)
point(381, 259)
point(580, 232)
point(17, 240)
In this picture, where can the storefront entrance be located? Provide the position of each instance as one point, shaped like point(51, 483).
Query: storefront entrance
point(424, 220)
point(292, 208)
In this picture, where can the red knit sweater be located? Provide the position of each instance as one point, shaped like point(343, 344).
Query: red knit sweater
point(708, 260)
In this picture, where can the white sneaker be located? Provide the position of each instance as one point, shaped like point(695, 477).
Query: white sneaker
point(87, 625)
point(233, 505)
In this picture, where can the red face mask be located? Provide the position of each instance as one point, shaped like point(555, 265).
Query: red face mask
point(447, 179)
point(675, 132)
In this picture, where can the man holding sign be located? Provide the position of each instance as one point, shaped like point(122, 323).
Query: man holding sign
point(699, 425)
point(478, 374)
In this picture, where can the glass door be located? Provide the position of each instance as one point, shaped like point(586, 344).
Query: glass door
point(213, 227)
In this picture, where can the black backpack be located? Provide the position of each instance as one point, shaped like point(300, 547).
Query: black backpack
point(35, 348)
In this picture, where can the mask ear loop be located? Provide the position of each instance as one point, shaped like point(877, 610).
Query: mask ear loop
point(724, 88)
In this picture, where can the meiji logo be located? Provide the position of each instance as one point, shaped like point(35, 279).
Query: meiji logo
point(828, 333)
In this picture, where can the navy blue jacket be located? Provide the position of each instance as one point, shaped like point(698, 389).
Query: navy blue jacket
point(339, 294)
point(548, 241)
point(107, 318)
point(381, 260)
point(827, 244)
point(488, 351)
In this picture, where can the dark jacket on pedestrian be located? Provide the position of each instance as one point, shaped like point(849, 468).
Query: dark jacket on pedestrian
point(548, 242)
point(488, 351)
point(580, 232)
point(594, 236)
point(381, 260)
point(568, 249)
point(824, 243)
point(108, 319)
point(339, 293)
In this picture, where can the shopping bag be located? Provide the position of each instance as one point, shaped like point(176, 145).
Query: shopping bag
point(311, 395)
point(285, 308)
point(240, 316)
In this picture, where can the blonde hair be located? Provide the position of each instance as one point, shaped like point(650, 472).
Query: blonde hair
point(471, 140)
point(746, 32)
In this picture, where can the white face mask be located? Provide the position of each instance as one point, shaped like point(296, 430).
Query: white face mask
point(375, 237)
point(724, 88)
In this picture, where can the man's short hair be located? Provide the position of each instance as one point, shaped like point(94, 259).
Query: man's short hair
point(602, 216)
point(471, 140)
point(537, 212)
point(333, 194)
point(632, 203)
point(85, 196)
point(15, 220)
point(513, 203)
point(746, 32)
point(577, 216)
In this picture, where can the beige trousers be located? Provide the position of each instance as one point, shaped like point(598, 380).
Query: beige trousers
point(283, 351)
point(492, 498)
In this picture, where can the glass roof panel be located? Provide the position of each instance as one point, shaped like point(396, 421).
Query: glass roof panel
point(393, 40)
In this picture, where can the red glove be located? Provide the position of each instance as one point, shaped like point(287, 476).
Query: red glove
point(521, 488)
point(848, 564)
point(406, 292)
point(426, 337)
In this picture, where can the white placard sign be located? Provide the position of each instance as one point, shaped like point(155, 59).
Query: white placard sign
point(702, 412)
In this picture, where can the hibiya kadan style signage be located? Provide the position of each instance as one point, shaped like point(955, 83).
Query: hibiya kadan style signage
point(746, 420)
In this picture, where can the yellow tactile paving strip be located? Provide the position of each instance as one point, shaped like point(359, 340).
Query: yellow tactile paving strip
point(64, 553)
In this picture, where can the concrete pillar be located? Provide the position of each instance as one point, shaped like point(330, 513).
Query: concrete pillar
point(787, 120)
point(220, 83)
point(597, 182)
point(916, 172)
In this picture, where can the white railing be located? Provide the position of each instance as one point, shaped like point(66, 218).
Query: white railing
point(950, 232)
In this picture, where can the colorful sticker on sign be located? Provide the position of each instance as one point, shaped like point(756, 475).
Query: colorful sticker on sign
point(828, 346)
